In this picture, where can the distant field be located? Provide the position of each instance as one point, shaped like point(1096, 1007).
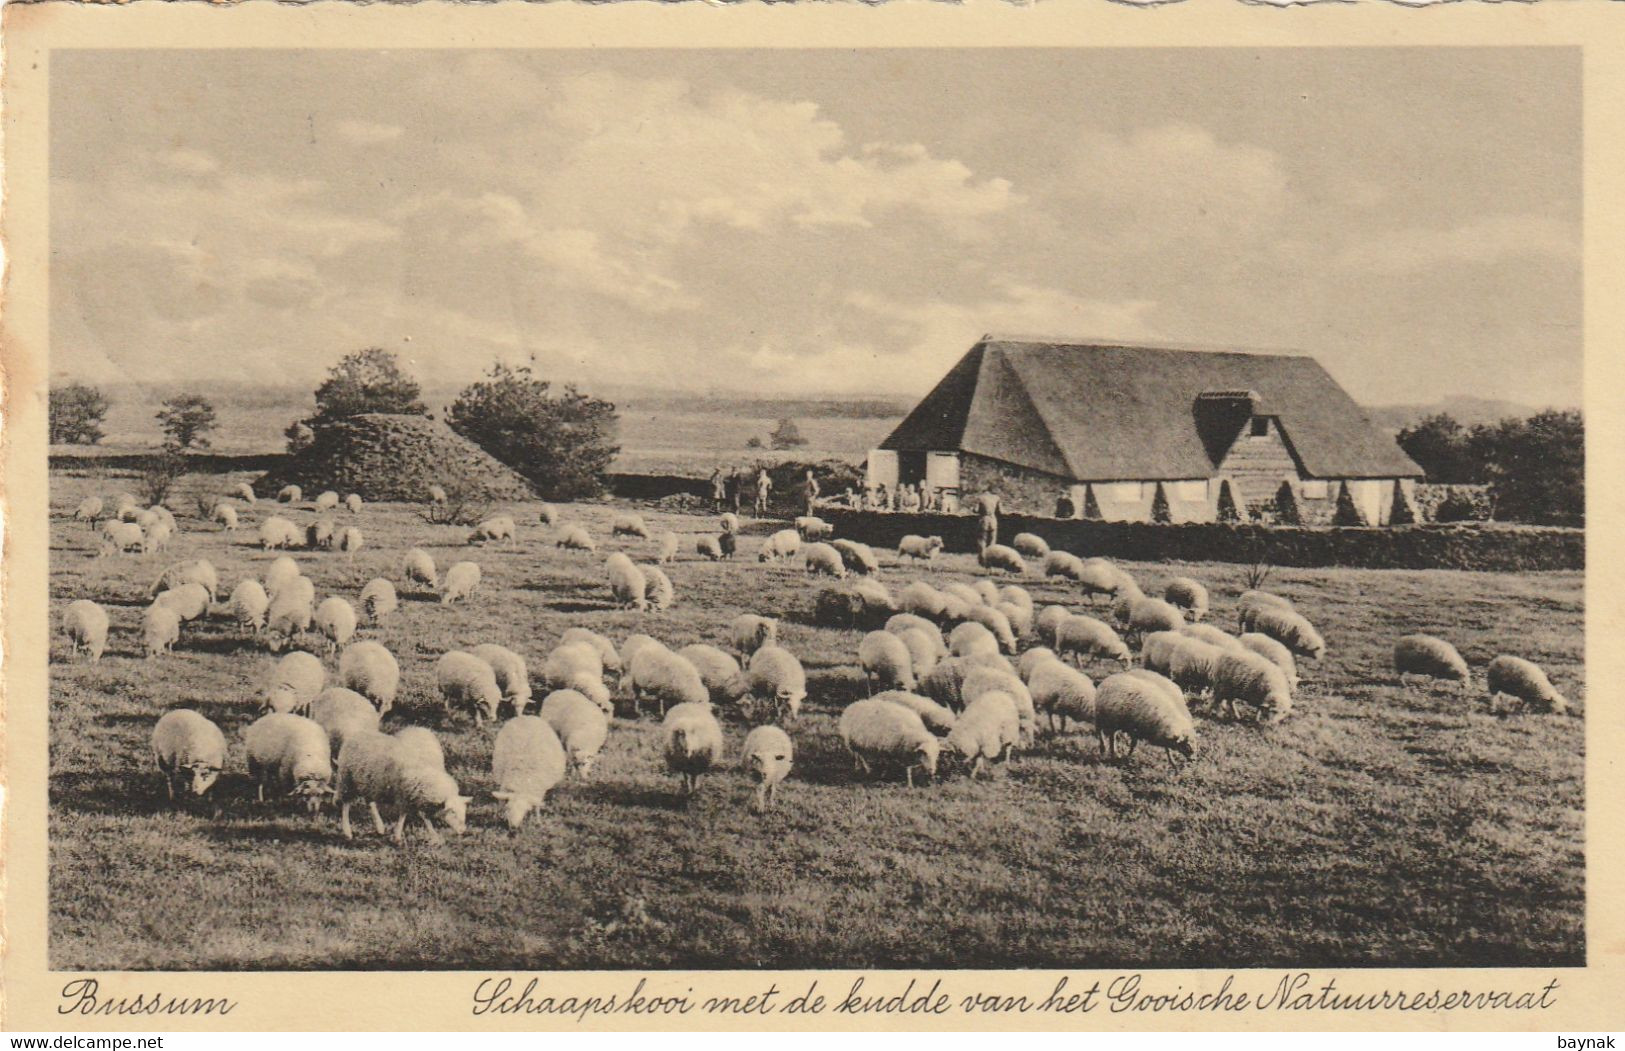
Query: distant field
point(1378, 825)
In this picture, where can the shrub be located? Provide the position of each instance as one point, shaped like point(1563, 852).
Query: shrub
point(370, 380)
point(1160, 512)
point(787, 435)
point(1091, 505)
point(562, 443)
point(157, 474)
point(1403, 511)
point(1348, 512)
point(187, 420)
point(1457, 506)
point(1229, 509)
point(300, 437)
point(465, 504)
point(1284, 508)
point(76, 413)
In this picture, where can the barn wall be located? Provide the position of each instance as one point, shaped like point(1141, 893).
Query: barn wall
point(1021, 491)
point(1259, 464)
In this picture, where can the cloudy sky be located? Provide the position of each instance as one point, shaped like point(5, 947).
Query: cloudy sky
point(801, 221)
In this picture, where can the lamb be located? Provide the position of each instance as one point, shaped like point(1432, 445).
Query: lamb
point(988, 729)
point(281, 573)
point(289, 494)
point(293, 684)
point(655, 671)
point(885, 658)
point(922, 600)
point(335, 619)
point(122, 537)
point(1087, 638)
point(786, 543)
point(1048, 622)
point(937, 718)
point(693, 743)
point(327, 501)
point(526, 762)
point(343, 712)
point(548, 515)
point(89, 510)
point(197, 571)
point(1525, 681)
point(465, 681)
point(378, 768)
point(1188, 595)
point(1133, 705)
point(1062, 692)
point(226, 515)
point(1030, 545)
point(921, 548)
point(319, 534)
point(766, 758)
point(985, 679)
point(1273, 652)
point(498, 527)
point(513, 678)
point(1001, 558)
point(190, 601)
point(378, 600)
point(1252, 679)
point(86, 626)
point(776, 678)
point(667, 550)
point(371, 670)
point(627, 582)
point(461, 580)
point(997, 623)
point(611, 661)
point(1154, 614)
point(749, 633)
point(245, 492)
point(352, 503)
point(924, 648)
point(278, 532)
point(858, 558)
point(160, 629)
point(576, 538)
point(972, 637)
point(1430, 657)
point(729, 523)
point(881, 733)
point(721, 674)
point(292, 756)
point(350, 540)
point(811, 527)
point(290, 614)
point(1291, 630)
point(661, 593)
point(418, 568)
point(1250, 602)
point(580, 725)
point(708, 547)
point(629, 525)
point(190, 752)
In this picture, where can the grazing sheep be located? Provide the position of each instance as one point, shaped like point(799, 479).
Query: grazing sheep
point(245, 493)
point(164, 515)
point(371, 670)
point(378, 600)
point(121, 537)
point(226, 515)
point(1016, 595)
point(85, 624)
point(190, 601)
point(661, 593)
point(289, 494)
point(190, 752)
point(786, 543)
point(922, 600)
point(811, 527)
point(925, 648)
point(1063, 564)
point(350, 540)
point(693, 743)
point(89, 510)
point(461, 580)
point(343, 712)
point(988, 729)
point(418, 568)
point(882, 733)
point(997, 623)
point(900, 622)
point(124, 502)
point(749, 633)
point(858, 558)
point(526, 762)
point(1048, 622)
point(498, 527)
point(1133, 705)
point(327, 501)
point(942, 683)
point(922, 548)
point(1153, 614)
point(378, 768)
point(708, 547)
point(972, 637)
point(197, 571)
point(352, 503)
point(335, 619)
point(1526, 682)
point(160, 629)
point(1020, 618)
point(1251, 602)
point(629, 525)
point(840, 606)
point(1252, 679)
point(1122, 611)
point(1212, 636)
point(421, 747)
point(1031, 659)
point(1290, 629)
point(581, 726)
point(319, 534)
point(465, 681)
point(290, 614)
point(1002, 559)
point(667, 550)
point(1063, 692)
point(627, 583)
point(937, 718)
point(629, 650)
point(1273, 652)
point(721, 674)
point(280, 574)
point(596, 692)
point(1031, 545)
point(885, 658)
point(766, 758)
point(157, 537)
point(293, 683)
point(729, 544)
point(278, 532)
point(985, 679)
point(1157, 650)
point(1193, 665)
point(775, 677)
point(606, 650)
point(655, 671)
point(1087, 638)
point(1188, 595)
point(964, 592)
point(513, 678)
point(1430, 657)
point(548, 515)
point(729, 524)
point(292, 756)
point(576, 538)
point(571, 662)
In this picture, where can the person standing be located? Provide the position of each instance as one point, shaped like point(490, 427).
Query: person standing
point(987, 508)
point(719, 490)
point(764, 489)
point(809, 491)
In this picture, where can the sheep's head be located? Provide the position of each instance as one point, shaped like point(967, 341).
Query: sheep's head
point(313, 790)
point(204, 775)
point(926, 755)
point(454, 815)
point(583, 761)
point(280, 697)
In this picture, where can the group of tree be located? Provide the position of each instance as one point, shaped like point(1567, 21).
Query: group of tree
point(1534, 468)
point(77, 410)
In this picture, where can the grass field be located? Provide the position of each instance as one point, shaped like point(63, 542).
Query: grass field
point(1378, 825)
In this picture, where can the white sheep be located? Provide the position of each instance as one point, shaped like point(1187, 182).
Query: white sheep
point(377, 768)
point(724, 679)
point(248, 604)
point(987, 591)
point(1016, 595)
point(1273, 652)
point(972, 637)
point(1002, 559)
point(421, 747)
point(226, 515)
point(1049, 621)
point(245, 492)
point(1193, 665)
point(89, 510)
point(766, 757)
point(1157, 650)
point(1019, 617)
point(461, 580)
point(1250, 602)
point(966, 594)
point(190, 752)
point(1526, 682)
point(1154, 614)
point(629, 525)
point(985, 679)
point(349, 541)
point(85, 624)
point(123, 502)
point(160, 629)
point(122, 537)
point(661, 593)
point(1130, 704)
point(335, 619)
point(465, 681)
point(164, 515)
point(922, 600)
point(627, 583)
point(997, 622)
point(729, 523)
point(278, 532)
point(289, 494)
point(693, 743)
point(596, 692)
point(708, 547)
point(811, 527)
point(922, 548)
point(1254, 680)
point(498, 527)
point(901, 622)
point(189, 601)
point(576, 538)
point(371, 670)
point(925, 648)
point(157, 537)
point(1062, 692)
point(988, 729)
point(527, 761)
point(292, 756)
point(666, 547)
point(1122, 609)
point(786, 543)
point(319, 534)
point(750, 632)
point(327, 501)
point(658, 673)
point(197, 571)
point(942, 683)
point(1031, 659)
point(881, 733)
point(611, 660)
point(293, 683)
point(629, 650)
point(352, 503)
point(858, 558)
point(418, 568)
point(1211, 635)
point(378, 600)
point(1431, 657)
point(290, 614)
point(775, 677)
point(548, 515)
point(939, 719)
point(280, 574)
point(1030, 545)
point(1187, 594)
point(513, 678)
point(1086, 638)
point(1063, 564)
point(343, 712)
point(581, 725)
point(1290, 629)
point(885, 659)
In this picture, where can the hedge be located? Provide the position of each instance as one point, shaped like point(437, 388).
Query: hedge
point(1474, 547)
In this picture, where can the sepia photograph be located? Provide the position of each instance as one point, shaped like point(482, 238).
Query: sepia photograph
point(786, 508)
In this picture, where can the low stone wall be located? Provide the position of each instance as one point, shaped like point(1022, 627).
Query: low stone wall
point(1394, 547)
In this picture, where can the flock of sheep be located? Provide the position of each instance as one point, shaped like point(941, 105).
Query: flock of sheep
point(957, 675)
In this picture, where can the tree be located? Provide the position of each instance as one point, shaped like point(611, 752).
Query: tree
point(187, 420)
point(370, 380)
point(1229, 509)
point(1160, 512)
point(1091, 504)
point(787, 435)
point(1535, 467)
point(76, 413)
point(1440, 446)
point(157, 474)
point(1285, 506)
point(1402, 512)
point(1348, 512)
point(562, 443)
point(299, 436)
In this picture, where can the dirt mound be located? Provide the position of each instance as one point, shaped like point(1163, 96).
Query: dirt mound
point(388, 457)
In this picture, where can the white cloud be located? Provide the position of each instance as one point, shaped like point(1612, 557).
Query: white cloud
point(367, 133)
point(1483, 242)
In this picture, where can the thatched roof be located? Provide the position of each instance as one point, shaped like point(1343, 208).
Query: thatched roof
point(1109, 411)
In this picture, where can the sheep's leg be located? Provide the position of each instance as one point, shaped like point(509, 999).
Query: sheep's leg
point(399, 835)
point(976, 768)
point(344, 821)
point(434, 833)
point(260, 788)
point(1101, 735)
point(909, 773)
point(1173, 762)
point(1133, 743)
point(377, 818)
